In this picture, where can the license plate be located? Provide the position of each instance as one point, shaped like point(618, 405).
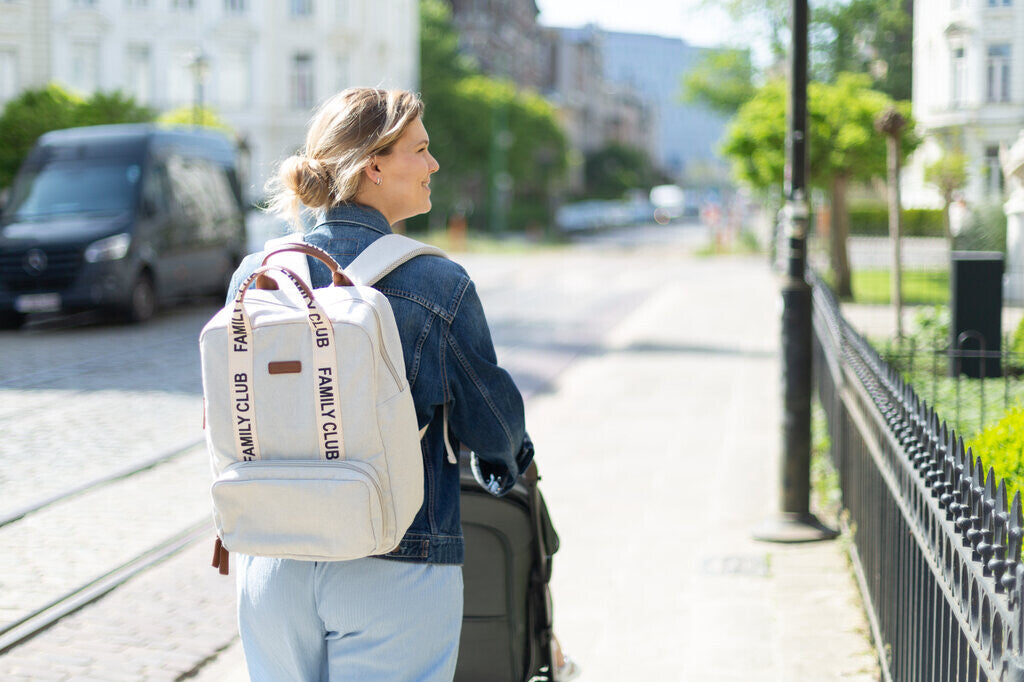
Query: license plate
point(37, 303)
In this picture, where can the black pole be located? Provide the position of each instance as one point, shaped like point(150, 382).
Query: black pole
point(794, 521)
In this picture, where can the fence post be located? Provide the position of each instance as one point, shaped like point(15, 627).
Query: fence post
point(794, 522)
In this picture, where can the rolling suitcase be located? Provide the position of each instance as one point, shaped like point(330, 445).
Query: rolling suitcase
point(507, 620)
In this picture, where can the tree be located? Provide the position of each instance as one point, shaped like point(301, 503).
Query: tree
point(112, 107)
point(187, 116)
point(722, 80)
point(470, 116)
point(843, 147)
point(28, 116)
point(865, 36)
point(51, 107)
point(949, 175)
point(612, 170)
point(773, 15)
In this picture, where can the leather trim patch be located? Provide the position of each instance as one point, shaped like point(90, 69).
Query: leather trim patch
point(285, 367)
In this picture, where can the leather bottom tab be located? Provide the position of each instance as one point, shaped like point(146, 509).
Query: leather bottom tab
point(220, 557)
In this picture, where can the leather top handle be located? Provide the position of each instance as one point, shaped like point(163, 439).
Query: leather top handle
point(338, 275)
point(260, 274)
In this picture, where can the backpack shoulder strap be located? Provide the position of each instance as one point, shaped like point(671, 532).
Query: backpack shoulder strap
point(384, 255)
point(293, 260)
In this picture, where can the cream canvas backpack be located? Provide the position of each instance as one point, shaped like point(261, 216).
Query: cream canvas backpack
point(310, 422)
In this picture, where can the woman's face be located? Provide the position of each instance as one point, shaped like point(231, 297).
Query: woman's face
point(404, 173)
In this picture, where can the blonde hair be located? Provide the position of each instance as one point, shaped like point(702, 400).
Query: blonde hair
point(345, 132)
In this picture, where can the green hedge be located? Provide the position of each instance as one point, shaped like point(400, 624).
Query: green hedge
point(917, 222)
point(1001, 446)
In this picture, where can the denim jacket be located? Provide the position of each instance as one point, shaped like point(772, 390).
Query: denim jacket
point(449, 358)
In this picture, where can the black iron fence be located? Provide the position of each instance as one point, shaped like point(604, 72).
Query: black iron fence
point(936, 547)
point(968, 401)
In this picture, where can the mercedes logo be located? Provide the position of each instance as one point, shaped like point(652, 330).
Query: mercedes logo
point(35, 261)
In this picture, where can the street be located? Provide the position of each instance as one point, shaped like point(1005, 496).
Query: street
point(102, 460)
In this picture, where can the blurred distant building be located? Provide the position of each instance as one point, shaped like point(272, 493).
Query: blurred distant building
point(24, 46)
point(261, 64)
point(683, 135)
point(968, 91)
point(595, 112)
point(504, 37)
point(600, 111)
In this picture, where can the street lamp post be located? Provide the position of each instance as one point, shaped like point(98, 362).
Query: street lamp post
point(198, 64)
point(794, 522)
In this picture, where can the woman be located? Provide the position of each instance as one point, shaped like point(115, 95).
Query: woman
point(366, 166)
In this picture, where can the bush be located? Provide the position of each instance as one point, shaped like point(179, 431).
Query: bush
point(930, 328)
point(1001, 446)
point(984, 229)
point(51, 107)
point(873, 220)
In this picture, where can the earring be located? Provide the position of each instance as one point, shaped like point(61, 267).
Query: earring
point(380, 180)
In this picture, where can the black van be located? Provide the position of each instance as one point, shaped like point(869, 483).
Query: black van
point(119, 217)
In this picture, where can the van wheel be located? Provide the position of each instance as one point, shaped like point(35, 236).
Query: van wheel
point(142, 303)
point(11, 319)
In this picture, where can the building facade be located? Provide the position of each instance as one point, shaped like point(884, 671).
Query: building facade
point(263, 65)
point(504, 37)
point(685, 136)
point(597, 112)
point(24, 46)
point(968, 91)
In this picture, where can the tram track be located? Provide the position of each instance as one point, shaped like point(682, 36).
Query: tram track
point(118, 475)
point(23, 629)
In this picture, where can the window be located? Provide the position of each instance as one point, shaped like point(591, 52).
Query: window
point(136, 4)
point(139, 73)
point(1000, 3)
point(85, 66)
point(83, 3)
point(998, 73)
point(235, 6)
point(234, 78)
point(958, 69)
point(302, 81)
point(184, 5)
point(993, 172)
point(301, 8)
point(180, 80)
point(8, 73)
point(341, 67)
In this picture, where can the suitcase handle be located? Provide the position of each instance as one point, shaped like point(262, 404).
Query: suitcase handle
point(338, 275)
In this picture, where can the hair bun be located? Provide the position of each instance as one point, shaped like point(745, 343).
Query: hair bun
point(309, 179)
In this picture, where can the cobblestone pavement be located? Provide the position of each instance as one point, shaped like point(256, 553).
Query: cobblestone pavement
point(86, 536)
point(81, 402)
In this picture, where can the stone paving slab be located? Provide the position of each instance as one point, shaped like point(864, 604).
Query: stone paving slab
point(659, 458)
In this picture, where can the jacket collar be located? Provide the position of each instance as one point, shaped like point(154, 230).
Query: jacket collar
point(357, 214)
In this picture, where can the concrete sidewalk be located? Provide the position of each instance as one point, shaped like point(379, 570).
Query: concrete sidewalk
point(659, 454)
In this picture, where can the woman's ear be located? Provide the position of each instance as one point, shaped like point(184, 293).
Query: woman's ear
point(372, 170)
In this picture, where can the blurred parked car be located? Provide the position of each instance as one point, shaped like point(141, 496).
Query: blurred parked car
point(120, 217)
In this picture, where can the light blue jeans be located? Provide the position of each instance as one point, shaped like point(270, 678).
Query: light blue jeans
point(366, 620)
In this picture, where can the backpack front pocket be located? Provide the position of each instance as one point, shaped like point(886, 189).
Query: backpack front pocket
point(299, 509)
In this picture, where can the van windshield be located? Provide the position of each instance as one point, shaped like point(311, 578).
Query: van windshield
point(63, 187)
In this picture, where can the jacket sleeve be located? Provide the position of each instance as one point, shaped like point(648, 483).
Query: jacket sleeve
point(486, 409)
point(245, 268)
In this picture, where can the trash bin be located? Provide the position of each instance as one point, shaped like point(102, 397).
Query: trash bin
point(976, 308)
